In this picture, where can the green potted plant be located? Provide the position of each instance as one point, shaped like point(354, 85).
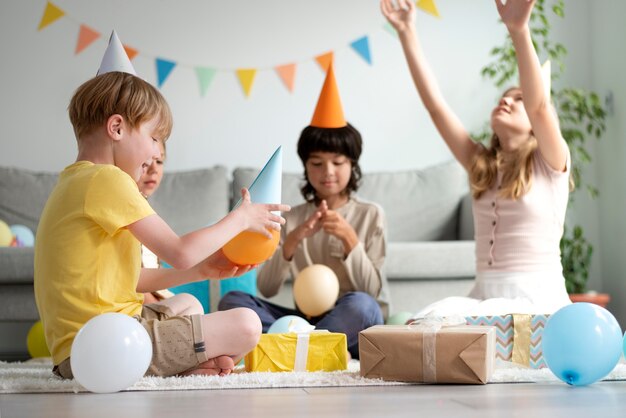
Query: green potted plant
point(581, 115)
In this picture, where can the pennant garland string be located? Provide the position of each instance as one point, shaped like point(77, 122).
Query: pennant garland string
point(164, 67)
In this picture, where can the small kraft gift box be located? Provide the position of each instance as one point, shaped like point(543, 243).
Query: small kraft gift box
point(518, 337)
point(428, 354)
point(317, 350)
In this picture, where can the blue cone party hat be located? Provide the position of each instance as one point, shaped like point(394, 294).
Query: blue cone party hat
point(115, 58)
point(266, 187)
point(250, 247)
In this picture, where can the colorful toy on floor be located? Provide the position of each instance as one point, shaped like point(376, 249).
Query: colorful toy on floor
point(23, 235)
point(582, 343)
point(251, 247)
point(287, 323)
point(110, 353)
point(316, 289)
point(36, 341)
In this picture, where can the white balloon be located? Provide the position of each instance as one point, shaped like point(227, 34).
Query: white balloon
point(110, 353)
point(316, 289)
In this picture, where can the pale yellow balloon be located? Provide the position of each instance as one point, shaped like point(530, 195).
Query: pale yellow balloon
point(6, 236)
point(316, 289)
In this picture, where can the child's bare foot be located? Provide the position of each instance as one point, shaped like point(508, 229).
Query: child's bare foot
point(221, 365)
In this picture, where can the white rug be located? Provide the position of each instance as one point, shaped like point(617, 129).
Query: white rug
point(37, 377)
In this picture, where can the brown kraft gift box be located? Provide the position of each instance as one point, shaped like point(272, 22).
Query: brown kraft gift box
point(456, 354)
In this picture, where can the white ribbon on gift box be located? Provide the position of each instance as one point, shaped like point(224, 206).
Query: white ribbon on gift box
point(302, 343)
point(429, 326)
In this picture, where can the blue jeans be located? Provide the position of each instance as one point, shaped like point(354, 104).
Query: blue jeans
point(353, 312)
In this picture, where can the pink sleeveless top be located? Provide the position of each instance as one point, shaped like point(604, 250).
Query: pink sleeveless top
point(523, 235)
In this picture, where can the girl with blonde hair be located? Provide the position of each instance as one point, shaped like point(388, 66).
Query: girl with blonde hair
point(519, 183)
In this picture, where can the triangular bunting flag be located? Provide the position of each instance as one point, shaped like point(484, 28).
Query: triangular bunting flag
point(428, 6)
point(362, 47)
point(287, 73)
point(324, 60)
point(246, 78)
point(164, 68)
point(390, 29)
point(131, 52)
point(86, 36)
point(51, 14)
point(205, 76)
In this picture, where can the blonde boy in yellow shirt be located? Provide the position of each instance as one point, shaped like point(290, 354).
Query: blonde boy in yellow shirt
point(87, 254)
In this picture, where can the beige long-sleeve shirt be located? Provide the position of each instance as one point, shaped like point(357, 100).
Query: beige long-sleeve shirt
point(361, 270)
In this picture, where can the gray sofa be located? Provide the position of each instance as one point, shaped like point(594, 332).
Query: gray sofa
point(430, 231)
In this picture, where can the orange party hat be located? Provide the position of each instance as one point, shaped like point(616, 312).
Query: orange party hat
point(329, 112)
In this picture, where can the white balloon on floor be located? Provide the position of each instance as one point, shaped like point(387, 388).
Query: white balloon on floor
point(110, 353)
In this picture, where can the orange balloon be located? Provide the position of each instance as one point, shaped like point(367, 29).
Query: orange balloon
point(251, 248)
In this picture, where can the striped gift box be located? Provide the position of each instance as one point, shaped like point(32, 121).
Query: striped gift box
point(518, 337)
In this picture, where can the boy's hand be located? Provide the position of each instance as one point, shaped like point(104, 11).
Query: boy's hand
point(258, 217)
point(335, 224)
point(217, 266)
point(313, 224)
point(306, 229)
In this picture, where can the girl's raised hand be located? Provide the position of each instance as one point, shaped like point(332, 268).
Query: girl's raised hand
point(515, 14)
point(400, 14)
point(258, 217)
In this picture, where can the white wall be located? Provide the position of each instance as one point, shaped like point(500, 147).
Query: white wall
point(39, 72)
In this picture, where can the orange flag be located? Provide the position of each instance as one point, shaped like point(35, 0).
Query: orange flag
point(50, 14)
point(131, 52)
point(86, 36)
point(324, 60)
point(287, 73)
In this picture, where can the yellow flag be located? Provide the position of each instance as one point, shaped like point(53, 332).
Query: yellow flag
point(51, 14)
point(428, 6)
point(246, 78)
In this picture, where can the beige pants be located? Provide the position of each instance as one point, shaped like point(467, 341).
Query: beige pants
point(177, 342)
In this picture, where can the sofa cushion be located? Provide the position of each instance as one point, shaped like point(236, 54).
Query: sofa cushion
point(430, 260)
point(466, 219)
point(188, 200)
point(23, 195)
point(16, 265)
point(420, 205)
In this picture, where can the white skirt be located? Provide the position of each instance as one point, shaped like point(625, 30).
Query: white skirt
point(501, 293)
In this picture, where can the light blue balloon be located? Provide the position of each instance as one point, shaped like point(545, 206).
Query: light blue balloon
point(23, 234)
point(281, 325)
point(581, 343)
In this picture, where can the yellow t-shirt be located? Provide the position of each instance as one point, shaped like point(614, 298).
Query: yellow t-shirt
point(86, 261)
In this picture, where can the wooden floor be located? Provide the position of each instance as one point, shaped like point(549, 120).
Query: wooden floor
point(600, 400)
